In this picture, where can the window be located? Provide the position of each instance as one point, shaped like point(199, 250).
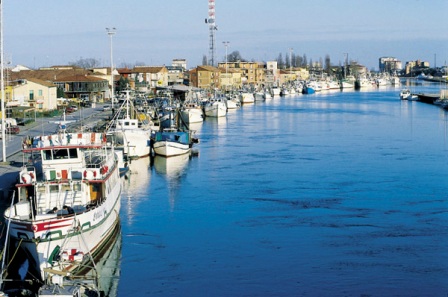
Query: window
point(31, 94)
point(40, 92)
point(73, 153)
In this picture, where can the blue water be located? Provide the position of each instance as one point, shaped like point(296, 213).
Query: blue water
point(331, 194)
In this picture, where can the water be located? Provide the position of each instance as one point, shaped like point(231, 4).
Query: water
point(336, 194)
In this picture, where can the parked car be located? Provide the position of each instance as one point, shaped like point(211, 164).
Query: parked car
point(69, 109)
point(106, 107)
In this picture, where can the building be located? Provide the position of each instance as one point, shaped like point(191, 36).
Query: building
point(175, 75)
point(205, 77)
point(83, 86)
point(415, 67)
point(390, 64)
point(148, 78)
point(33, 92)
point(179, 63)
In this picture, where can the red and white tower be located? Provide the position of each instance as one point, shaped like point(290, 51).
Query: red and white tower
point(212, 28)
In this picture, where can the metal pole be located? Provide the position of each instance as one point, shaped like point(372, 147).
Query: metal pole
point(2, 85)
point(226, 43)
point(111, 33)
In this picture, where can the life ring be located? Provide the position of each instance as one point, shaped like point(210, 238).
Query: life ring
point(88, 174)
point(26, 178)
point(104, 169)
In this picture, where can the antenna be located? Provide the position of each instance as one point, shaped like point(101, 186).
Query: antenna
point(212, 28)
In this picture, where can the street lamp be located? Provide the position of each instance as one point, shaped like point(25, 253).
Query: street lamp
point(111, 33)
point(226, 44)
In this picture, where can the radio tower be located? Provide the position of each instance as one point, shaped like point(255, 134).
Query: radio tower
point(212, 28)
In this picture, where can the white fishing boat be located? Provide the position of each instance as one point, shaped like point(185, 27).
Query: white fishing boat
point(405, 94)
point(170, 142)
point(191, 110)
point(130, 133)
point(99, 277)
point(68, 200)
point(246, 97)
point(215, 107)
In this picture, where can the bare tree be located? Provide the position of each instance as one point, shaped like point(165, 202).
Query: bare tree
point(86, 63)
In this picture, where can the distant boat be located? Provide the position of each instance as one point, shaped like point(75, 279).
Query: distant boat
point(405, 94)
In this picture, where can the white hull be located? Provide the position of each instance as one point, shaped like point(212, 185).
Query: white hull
point(231, 104)
point(215, 109)
point(246, 98)
point(170, 148)
point(192, 115)
point(84, 177)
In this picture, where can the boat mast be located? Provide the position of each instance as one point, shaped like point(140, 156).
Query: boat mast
point(2, 84)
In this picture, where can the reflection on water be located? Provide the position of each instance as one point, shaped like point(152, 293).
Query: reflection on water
point(136, 186)
point(172, 169)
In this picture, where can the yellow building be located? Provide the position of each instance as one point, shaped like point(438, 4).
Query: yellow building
point(205, 77)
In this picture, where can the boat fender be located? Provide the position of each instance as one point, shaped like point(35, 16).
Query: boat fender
point(31, 174)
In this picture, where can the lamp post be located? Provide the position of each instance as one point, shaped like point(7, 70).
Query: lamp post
point(2, 85)
point(226, 44)
point(111, 33)
point(290, 62)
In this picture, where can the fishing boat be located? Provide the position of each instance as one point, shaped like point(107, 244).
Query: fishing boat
point(191, 110)
point(130, 130)
point(215, 107)
point(171, 142)
point(68, 199)
point(95, 278)
point(405, 94)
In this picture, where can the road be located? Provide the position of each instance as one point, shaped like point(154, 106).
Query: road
point(85, 117)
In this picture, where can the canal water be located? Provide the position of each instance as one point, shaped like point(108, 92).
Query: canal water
point(330, 194)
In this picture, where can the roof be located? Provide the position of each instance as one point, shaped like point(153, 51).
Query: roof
point(42, 82)
point(208, 68)
point(80, 78)
point(148, 69)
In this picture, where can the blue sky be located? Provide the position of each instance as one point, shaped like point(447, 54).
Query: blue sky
point(55, 32)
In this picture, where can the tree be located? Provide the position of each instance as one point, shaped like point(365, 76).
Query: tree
point(327, 65)
point(86, 63)
point(304, 61)
point(123, 84)
point(235, 57)
point(280, 62)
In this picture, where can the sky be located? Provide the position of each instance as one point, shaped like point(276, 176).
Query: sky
point(152, 33)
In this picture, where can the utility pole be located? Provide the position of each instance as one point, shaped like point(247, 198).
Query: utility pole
point(226, 44)
point(111, 33)
point(2, 85)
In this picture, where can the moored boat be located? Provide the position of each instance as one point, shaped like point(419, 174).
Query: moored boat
point(170, 142)
point(68, 200)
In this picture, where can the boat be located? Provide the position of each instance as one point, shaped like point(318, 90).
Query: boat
point(215, 107)
point(68, 199)
point(171, 142)
point(191, 110)
point(246, 97)
point(130, 130)
point(98, 277)
point(405, 94)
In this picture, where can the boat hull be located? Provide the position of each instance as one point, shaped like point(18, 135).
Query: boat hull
point(85, 232)
point(215, 109)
